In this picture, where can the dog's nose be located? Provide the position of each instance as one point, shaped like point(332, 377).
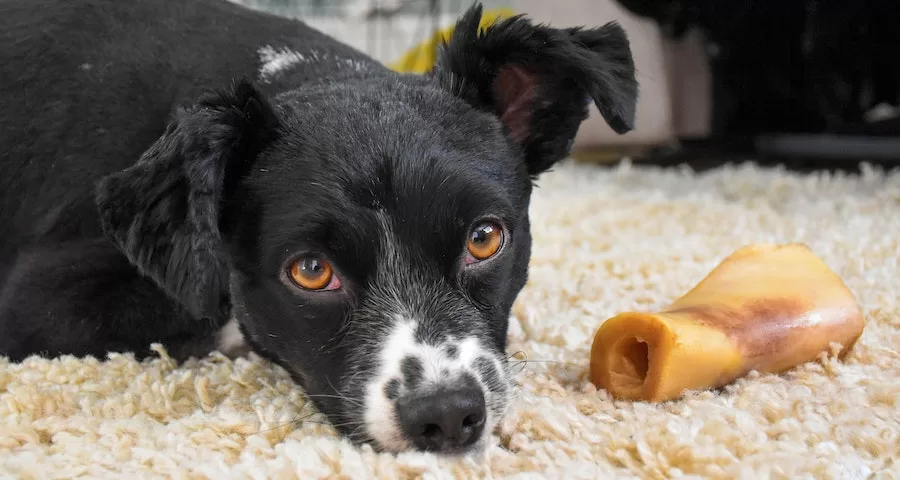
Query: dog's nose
point(443, 421)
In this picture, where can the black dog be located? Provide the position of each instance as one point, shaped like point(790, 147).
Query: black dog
point(366, 230)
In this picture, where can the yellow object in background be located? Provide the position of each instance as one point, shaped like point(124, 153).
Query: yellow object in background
point(421, 58)
point(766, 307)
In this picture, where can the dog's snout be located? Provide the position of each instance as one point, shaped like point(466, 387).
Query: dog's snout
point(443, 421)
point(443, 395)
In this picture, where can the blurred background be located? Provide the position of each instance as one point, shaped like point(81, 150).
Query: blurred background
point(810, 84)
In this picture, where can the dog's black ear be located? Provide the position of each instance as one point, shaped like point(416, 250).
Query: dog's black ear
point(164, 211)
point(539, 80)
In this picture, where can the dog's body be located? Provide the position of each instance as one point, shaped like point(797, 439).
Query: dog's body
point(136, 207)
point(87, 87)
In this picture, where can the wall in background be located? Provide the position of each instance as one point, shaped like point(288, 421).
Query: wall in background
point(385, 29)
point(668, 105)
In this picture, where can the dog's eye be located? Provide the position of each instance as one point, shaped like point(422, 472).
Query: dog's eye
point(485, 241)
point(314, 273)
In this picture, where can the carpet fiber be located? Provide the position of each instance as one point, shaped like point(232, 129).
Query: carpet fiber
point(605, 241)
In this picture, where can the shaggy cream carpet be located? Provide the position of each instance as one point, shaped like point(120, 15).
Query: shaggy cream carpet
point(606, 241)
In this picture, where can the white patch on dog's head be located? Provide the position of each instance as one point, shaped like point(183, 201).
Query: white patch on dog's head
point(274, 62)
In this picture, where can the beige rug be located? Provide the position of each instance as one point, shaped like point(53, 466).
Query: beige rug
point(606, 241)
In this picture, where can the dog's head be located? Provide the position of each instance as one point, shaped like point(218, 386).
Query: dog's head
point(372, 236)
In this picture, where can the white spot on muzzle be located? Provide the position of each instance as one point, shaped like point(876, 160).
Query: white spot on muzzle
point(440, 371)
point(381, 416)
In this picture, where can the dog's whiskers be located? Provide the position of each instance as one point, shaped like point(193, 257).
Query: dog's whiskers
point(341, 395)
point(526, 360)
point(356, 403)
point(523, 363)
point(297, 420)
point(356, 424)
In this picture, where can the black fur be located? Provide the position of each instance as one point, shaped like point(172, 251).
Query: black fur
point(392, 389)
point(157, 183)
point(452, 352)
point(173, 194)
point(412, 370)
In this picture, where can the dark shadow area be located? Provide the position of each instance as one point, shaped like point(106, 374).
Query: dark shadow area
point(810, 84)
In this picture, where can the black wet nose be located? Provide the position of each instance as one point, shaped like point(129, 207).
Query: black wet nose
point(443, 421)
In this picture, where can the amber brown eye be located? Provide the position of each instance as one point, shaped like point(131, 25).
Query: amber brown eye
point(485, 240)
point(312, 273)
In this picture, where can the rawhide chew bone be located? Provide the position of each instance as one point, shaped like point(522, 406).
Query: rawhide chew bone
point(765, 307)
